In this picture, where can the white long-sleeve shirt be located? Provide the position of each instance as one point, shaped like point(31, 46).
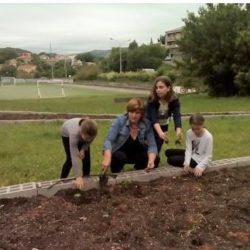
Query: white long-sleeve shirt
point(199, 149)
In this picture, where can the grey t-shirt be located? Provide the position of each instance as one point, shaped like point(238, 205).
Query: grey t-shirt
point(71, 129)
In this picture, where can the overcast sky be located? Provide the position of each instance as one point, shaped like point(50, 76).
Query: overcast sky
point(74, 28)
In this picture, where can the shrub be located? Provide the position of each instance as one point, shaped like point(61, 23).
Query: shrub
point(87, 72)
point(167, 70)
point(129, 76)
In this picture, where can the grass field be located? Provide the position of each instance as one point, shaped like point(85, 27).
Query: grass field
point(87, 100)
point(29, 91)
point(34, 152)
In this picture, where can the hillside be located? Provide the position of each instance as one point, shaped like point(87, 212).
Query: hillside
point(9, 53)
point(100, 53)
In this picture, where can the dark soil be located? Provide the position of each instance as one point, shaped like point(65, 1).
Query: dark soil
point(47, 116)
point(212, 212)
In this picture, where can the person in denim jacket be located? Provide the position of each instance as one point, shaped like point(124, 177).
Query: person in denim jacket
point(130, 140)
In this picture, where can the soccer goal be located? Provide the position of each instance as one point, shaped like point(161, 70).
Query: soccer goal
point(53, 88)
point(8, 80)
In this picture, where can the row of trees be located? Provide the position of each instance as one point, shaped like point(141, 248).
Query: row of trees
point(135, 57)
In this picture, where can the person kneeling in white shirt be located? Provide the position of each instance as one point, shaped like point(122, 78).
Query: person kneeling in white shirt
point(199, 148)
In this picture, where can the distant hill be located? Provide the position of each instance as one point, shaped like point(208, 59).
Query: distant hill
point(9, 53)
point(100, 53)
point(17, 50)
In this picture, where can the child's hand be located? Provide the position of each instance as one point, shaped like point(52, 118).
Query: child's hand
point(79, 182)
point(186, 168)
point(163, 136)
point(81, 154)
point(150, 166)
point(198, 171)
point(166, 138)
point(179, 138)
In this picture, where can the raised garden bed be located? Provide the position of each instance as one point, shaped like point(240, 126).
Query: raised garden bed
point(179, 212)
point(48, 116)
point(26, 115)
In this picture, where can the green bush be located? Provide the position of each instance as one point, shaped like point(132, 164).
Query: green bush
point(167, 70)
point(164, 69)
point(129, 76)
point(87, 72)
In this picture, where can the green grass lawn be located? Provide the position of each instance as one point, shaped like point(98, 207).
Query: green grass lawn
point(102, 101)
point(29, 91)
point(32, 152)
point(78, 99)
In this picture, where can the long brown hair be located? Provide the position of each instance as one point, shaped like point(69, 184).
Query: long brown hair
point(168, 83)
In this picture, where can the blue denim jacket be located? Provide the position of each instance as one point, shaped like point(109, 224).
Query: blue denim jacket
point(119, 133)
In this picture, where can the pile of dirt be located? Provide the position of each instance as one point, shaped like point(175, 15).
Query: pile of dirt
point(183, 212)
point(47, 116)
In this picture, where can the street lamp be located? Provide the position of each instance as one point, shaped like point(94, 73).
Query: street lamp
point(120, 51)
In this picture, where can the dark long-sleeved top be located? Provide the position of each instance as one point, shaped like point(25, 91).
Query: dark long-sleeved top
point(152, 111)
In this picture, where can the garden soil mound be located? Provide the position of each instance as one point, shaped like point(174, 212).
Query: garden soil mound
point(212, 212)
point(46, 116)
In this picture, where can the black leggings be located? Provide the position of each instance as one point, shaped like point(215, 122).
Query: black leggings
point(68, 163)
point(120, 158)
point(159, 143)
point(176, 158)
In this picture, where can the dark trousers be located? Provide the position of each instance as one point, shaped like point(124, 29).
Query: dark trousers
point(159, 143)
point(176, 158)
point(68, 163)
point(120, 158)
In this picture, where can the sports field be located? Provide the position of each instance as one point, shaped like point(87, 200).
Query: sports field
point(48, 90)
point(96, 100)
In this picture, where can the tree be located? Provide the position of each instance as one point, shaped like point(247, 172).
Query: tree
point(145, 56)
point(85, 57)
point(43, 68)
point(8, 70)
point(242, 62)
point(135, 57)
point(9, 53)
point(63, 69)
point(113, 61)
point(133, 45)
point(87, 72)
point(210, 44)
point(161, 39)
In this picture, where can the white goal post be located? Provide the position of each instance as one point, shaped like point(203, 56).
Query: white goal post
point(50, 81)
